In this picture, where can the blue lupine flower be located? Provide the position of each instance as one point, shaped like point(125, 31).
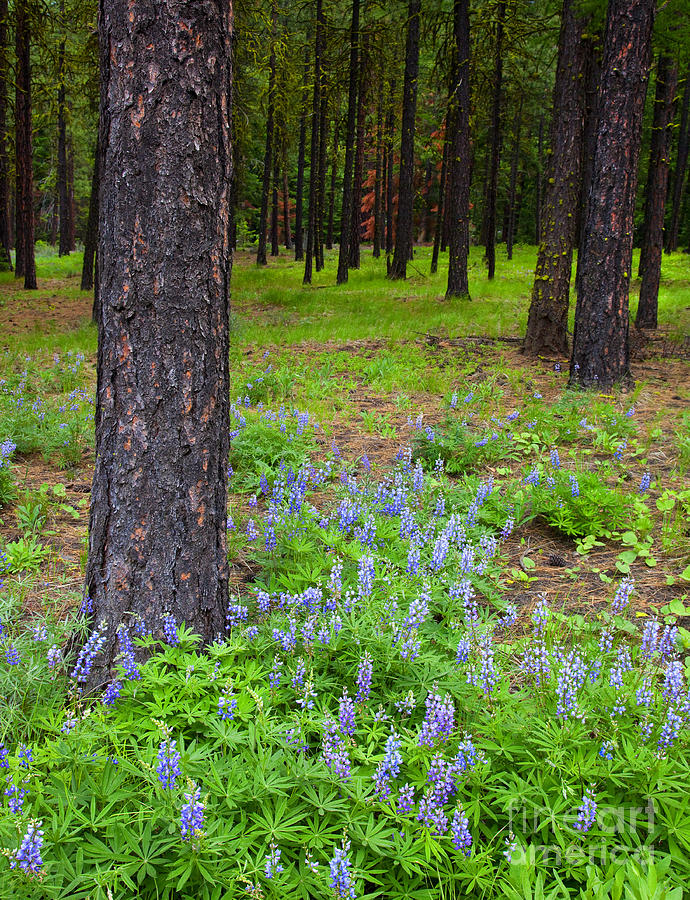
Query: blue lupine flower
point(227, 704)
point(334, 751)
point(645, 482)
point(170, 630)
point(273, 865)
point(587, 813)
point(28, 855)
point(168, 768)
point(12, 655)
point(439, 720)
point(88, 653)
point(341, 876)
point(389, 767)
point(405, 799)
point(192, 815)
point(346, 714)
point(364, 672)
point(622, 598)
point(111, 693)
point(462, 839)
point(555, 459)
point(127, 659)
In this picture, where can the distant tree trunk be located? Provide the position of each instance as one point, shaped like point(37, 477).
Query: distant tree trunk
point(63, 193)
point(655, 195)
point(540, 169)
point(275, 215)
point(495, 142)
point(600, 343)
point(510, 225)
point(314, 155)
point(268, 152)
point(71, 205)
point(5, 256)
point(440, 208)
point(390, 140)
point(331, 190)
point(299, 192)
point(157, 531)
point(459, 156)
point(346, 211)
point(286, 205)
point(403, 232)
point(321, 204)
point(379, 171)
point(25, 180)
point(358, 174)
point(426, 219)
point(679, 170)
point(589, 136)
point(547, 325)
point(91, 235)
point(54, 217)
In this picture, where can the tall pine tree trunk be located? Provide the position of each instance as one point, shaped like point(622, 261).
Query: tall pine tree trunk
point(495, 142)
point(538, 184)
point(403, 231)
point(286, 203)
point(459, 156)
point(314, 155)
point(600, 344)
point(346, 210)
point(440, 208)
point(268, 151)
point(671, 242)
point(390, 140)
point(379, 172)
point(321, 204)
point(331, 189)
point(655, 195)
point(5, 243)
point(547, 325)
point(91, 235)
point(358, 174)
point(592, 79)
point(428, 186)
point(26, 263)
point(157, 533)
point(301, 151)
point(275, 214)
point(515, 162)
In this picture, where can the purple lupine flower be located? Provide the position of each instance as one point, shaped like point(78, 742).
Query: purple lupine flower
point(555, 459)
point(25, 756)
point(570, 678)
point(4, 764)
point(346, 714)
point(587, 813)
point(669, 730)
point(574, 486)
point(272, 863)
point(364, 672)
point(674, 682)
point(88, 653)
point(54, 657)
point(484, 674)
point(227, 704)
point(462, 839)
point(111, 693)
point(168, 767)
point(667, 644)
point(12, 655)
point(405, 800)
point(439, 720)
point(645, 482)
point(170, 630)
point(389, 767)
point(127, 659)
point(341, 876)
point(622, 598)
point(334, 751)
point(463, 653)
point(28, 855)
point(365, 576)
point(192, 815)
point(414, 557)
point(275, 673)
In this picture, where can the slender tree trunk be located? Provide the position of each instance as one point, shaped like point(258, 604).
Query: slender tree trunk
point(390, 139)
point(515, 162)
point(331, 190)
point(589, 138)
point(63, 192)
point(5, 256)
point(268, 152)
point(286, 203)
point(299, 192)
point(157, 535)
point(440, 209)
point(428, 185)
point(314, 155)
point(346, 213)
point(600, 343)
point(403, 232)
point(321, 205)
point(679, 169)
point(459, 156)
point(91, 235)
point(495, 142)
point(379, 171)
point(547, 325)
point(358, 174)
point(275, 215)
point(655, 196)
point(71, 205)
point(25, 180)
point(54, 217)
point(538, 186)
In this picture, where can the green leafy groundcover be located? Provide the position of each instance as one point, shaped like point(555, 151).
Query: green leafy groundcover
point(375, 723)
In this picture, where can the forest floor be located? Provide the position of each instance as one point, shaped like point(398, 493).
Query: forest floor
point(366, 360)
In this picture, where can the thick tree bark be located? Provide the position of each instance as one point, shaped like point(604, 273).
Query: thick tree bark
point(671, 241)
point(26, 262)
point(346, 211)
point(358, 174)
point(301, 150)
point(314, 155)
point(91, 234)
point(5, 256)
point(600, 344)
point(261, 259)
point(275, 243)
point(403, 231)
point(459, 158)
point(286, 204)
point(495, 142)
point(538, 186)
point(589, 137)
point(321, 201)
point(510, 206)
point(655, 195)
point(157, 535)
point(331, 189)
point(547, 325)
point(378, 218)
point(441, 208)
